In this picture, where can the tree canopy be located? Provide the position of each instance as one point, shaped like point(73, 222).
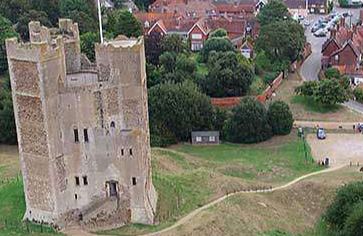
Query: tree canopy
point(6, 31)
point(7, 121)
point(215, 44)
point(281, 40)
point(280, 118)
point(88, 41)
point(220, 32)
point(179, 109)
point(248, 123)
point(227, 75)
point(123, 22)
point(275, 10)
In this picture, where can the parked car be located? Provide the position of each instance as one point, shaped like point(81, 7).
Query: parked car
point(317, 26)
point(300, 18)
point(320, 33)
point(306, 23)
point(320, 133)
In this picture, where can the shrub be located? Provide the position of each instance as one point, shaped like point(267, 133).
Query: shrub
point(307, 88)
point(248, 123)
point(358, 94)
point(331, 73)
point(179, 109)
point(215, 44)
point(342, 207)
point(354, 223)
point(280, 118)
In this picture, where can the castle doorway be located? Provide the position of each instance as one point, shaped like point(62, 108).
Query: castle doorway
point(112, 188)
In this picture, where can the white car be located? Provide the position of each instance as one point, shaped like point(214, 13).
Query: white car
point(320, 33)
point(306, 22)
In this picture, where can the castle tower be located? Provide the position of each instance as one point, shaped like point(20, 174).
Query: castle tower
point(82, 128)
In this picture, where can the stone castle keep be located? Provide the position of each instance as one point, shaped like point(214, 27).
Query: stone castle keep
point(82, 128)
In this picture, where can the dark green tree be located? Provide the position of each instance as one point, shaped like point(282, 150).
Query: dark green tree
point(332, 73)
point(281, 40)
point(153, 48)
point(308, 88)
point(248, 123)
point(50, 7)
point(6, 31)
point(280, 118)
point(88, 41)
point(215, 44)
point(167, 61)
point(173, 43)
point(83, 12)
point(123, 22)
point(13, 9)
point(358, 94)
point(274, 10)
point(7, 120)
point(343, 206)
point(354, 224)
point(179, 108)
point(330, 92)
point(22, 27)
point(227, 76)
point(220, 32)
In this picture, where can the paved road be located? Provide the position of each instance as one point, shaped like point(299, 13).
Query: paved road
point(310, 68)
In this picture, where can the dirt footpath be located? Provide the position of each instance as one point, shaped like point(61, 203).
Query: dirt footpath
point(340, 148)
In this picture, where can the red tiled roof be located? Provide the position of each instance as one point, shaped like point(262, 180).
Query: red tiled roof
point(235, 8)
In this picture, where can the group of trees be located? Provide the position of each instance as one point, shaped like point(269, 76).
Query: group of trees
point(250, 122)
point(334, 89)
point(345, 215)
point(281, 39)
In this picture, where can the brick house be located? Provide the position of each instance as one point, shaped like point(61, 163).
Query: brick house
point(343, 50)
point(297, 7)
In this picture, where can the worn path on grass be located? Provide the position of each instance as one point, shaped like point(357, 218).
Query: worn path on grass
point(191, 215)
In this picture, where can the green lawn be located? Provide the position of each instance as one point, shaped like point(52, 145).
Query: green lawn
point(311, 105)
point(12, 207)
point(187, 177)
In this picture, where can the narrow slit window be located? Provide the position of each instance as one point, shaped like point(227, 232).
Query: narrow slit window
point(133, 181)
point(75, 196)
point(85, 180)
point(76, 137)
point(122, 152)
point(112, 124)
point(85, 133)
point(77, 180)
point(130, 151)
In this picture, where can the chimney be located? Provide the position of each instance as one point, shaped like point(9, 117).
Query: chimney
point(350, 34)
point(333, 33)
point(342, 22)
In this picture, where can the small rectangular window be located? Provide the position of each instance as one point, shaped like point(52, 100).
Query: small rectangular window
point(85, 133)
point(198, 139)
point(76, 138)
point(212, 138)
point(133, 181)
point(130, 151)
point(77, 180)
point(85, 180)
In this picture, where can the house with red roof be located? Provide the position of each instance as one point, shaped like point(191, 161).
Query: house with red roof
point(343, 50)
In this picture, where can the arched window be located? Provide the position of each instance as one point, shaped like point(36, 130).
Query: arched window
point(112, 124)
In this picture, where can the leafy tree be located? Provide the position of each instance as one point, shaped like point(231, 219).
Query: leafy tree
point(143, 4)
point(308, 88)
point(274, 11)
point(7, 120)
point(262, 62)
point(343, 206)
point(6, 31)
point(215, 44)
point(358, 94)
point(50, 7)
point(332, 73)
point(185, 64)
point(281, 40)
point(280, 118)
point(13, 9)
point(179, 108)
point(220, 118)
point(153, 48)
point(119, 3)
point(227, 76)
point(218, 33)
point(88, 41)
point(22, 27)
point(153, 75)
point(123, 22)
point(83, 12)
point(270, 77)
point(330, 92)
point(167, 61)
point(354, 223)
point(173, 43)
point(248, 123)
